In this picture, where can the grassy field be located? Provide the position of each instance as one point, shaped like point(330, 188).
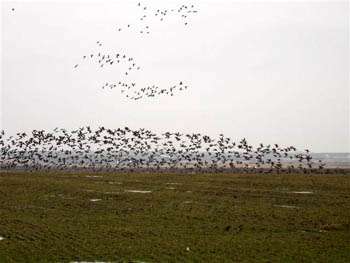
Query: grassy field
point(178, 218)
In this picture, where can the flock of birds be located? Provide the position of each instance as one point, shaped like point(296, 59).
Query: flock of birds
point(133, 91)
point(148, 91)
point(183, 11)
point(124, 149)
point(110, 59)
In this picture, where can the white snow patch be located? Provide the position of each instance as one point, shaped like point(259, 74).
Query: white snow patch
point(174, 183)
point(138, 191)
point(170, 188)
point(301, 192)
point(287, 206)
point(93, 176)
point(2, 238)
point(95, 200)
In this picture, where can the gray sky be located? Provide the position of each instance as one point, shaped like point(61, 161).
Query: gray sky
point(267, 71)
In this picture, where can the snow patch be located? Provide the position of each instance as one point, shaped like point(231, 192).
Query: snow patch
point(287, 206)
point(138, 191)
point(115, 182)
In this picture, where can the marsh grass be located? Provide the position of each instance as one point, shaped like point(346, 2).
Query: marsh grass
point(49, 217)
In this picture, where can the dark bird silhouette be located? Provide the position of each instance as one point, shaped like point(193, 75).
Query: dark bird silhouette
point(127, 149)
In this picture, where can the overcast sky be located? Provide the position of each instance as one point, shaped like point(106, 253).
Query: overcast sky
point(267, 71)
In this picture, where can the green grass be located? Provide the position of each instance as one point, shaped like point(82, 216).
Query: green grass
point(47, 217)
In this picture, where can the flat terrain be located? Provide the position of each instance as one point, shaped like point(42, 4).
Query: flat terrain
point(48, 217)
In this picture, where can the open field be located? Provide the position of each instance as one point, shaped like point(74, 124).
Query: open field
point(48, 217)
